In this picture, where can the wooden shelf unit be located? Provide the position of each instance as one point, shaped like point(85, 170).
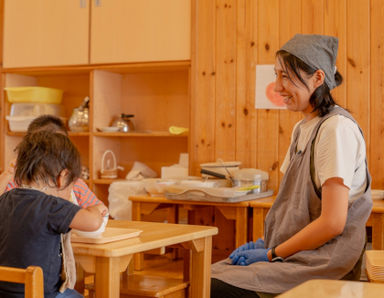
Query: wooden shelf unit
point(156, 93)
point(92, 34)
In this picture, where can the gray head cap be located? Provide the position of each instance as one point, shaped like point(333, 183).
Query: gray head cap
point(318, 51)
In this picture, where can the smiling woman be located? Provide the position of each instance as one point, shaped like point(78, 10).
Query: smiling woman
point(324, 197)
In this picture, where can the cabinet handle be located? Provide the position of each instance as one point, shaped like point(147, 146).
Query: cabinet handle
point(97, 3)
point(83, 3)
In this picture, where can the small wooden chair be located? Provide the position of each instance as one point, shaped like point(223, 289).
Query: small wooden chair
point(31, 277)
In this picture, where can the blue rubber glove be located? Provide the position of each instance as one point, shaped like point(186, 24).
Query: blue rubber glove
point(247, 257)
point(250, 245)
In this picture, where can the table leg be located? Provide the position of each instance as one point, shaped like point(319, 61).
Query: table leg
point(258, 223)
point(107, 273)
point(139, 209)
point(200, 278)
point(80, 276)
point(377, 231)
point(241, 226)
point(240, 216)
point(107, 278)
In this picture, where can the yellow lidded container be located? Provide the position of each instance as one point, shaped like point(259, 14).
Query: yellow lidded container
point(34, 94)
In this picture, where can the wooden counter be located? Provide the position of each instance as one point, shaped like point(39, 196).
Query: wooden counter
point(319, 288)
point(376, 220)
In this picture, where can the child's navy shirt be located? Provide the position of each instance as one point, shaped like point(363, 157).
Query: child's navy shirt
point(30, 226)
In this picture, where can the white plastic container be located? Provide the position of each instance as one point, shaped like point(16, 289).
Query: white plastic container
point(36, 109)
point(19, 123)
point(251, 177)
point(22, 114)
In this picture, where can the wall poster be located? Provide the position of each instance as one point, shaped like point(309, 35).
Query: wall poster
point(266, 97)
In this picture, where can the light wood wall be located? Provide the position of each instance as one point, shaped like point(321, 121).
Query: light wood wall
point(230, 37)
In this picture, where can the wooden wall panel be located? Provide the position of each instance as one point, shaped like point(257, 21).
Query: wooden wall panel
point(1, 32)
point(246, 124)
point(335, 23)
point(203, 83)
point(288, 27)
point(225, 79)
point(376, 151)
point(358, 57)
point(268, 120)
point(255, 29)
point(312, 16)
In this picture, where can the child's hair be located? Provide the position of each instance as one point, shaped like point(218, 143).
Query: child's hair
point(43, 155)
point(47, 123)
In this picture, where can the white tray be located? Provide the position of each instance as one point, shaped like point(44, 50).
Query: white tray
point(204, 196)
point(109, 235)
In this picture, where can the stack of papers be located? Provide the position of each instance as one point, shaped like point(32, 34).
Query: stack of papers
point(374, 261)
point(377, 194)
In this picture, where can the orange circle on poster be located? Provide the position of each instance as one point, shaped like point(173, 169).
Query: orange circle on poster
point(273, 96)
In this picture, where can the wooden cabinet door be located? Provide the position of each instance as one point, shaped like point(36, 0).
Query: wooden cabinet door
point(46, 32)
point(145, 30)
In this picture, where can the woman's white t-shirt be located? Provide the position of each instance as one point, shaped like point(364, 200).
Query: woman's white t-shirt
point(339, 152)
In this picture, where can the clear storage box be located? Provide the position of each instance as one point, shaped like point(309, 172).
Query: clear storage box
point(22, 114)
point(34, 94)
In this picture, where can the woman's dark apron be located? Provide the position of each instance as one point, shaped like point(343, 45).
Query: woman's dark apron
point(296, 205)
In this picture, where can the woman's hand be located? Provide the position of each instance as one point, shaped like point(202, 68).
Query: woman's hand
point(247, 257)
point(250, 245)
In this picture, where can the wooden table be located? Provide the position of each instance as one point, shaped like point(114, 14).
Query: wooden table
point(108, 260)
point(320, 288)
point(145, 205)
point(376, 220)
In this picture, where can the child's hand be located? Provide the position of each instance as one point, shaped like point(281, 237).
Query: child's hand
point(11, 167)
point(10, 170)
point(103, 209)
point(6, 176)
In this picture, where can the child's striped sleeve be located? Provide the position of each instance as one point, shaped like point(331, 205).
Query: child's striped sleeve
point(85, 197)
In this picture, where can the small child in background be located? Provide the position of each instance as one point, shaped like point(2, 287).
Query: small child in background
point(35, 216)
point(81, 194)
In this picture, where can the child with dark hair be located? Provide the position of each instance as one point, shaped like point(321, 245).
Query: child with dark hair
point(48, 123)
point(35, 219)
point(81, 193)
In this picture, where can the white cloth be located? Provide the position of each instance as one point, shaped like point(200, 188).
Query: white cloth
point(120, 207)
point(140, 171)
point(73, 198)
point(339, 152)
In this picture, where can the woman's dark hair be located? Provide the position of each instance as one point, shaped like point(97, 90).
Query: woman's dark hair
point(43, 155)
point(321, 99)
point(47, 123)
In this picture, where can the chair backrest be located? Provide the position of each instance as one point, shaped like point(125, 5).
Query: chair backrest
point(32, 277)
